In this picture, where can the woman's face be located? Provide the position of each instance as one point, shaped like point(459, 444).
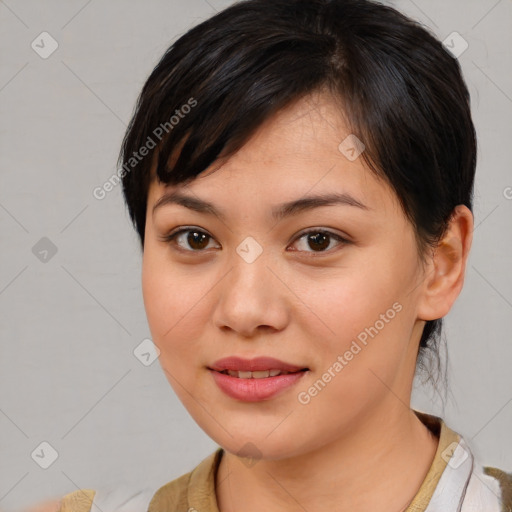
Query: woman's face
point(249, 282)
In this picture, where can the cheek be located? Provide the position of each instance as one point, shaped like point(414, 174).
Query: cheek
point(174, 303)
point(164, 299)
point(172, 312)
point(363, 350)
point(348, 304)
point(363, 315)
point(156, 301)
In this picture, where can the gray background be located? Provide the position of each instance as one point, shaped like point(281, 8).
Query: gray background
point(69, 325)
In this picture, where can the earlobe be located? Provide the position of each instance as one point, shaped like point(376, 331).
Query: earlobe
point(444, 277)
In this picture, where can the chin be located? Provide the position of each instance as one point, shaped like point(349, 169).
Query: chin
point(255, 443)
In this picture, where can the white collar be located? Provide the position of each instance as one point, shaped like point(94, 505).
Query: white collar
point(463, 486)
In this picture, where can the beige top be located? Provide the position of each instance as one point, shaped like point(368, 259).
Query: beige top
point(196, 489)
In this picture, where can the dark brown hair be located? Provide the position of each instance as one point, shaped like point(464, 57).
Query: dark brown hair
point(401, 92)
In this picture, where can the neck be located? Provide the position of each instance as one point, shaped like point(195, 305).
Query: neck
point(369, 468)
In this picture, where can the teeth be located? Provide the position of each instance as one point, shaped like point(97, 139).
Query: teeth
point(262, 374)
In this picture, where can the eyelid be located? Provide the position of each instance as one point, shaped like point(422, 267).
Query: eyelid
point(171, 237)
point(341, 239)
point(320, 229)
point(179, 229)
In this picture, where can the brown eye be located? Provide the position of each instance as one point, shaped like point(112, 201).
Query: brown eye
point(196, 239)
point(319, 241)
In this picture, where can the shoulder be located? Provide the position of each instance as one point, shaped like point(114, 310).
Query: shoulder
point(197, 485)
point(504, 480)
point(172, 496)
point(77, 501)
point(122, 497)
point(194, 490)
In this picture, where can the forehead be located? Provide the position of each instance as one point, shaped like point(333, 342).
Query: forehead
point(301, 149)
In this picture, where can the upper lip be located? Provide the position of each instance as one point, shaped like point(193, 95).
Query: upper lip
point(256, 364)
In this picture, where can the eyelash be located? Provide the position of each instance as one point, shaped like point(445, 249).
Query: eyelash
point(171, 239)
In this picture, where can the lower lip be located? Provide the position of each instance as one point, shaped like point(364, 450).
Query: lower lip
point(255, 390)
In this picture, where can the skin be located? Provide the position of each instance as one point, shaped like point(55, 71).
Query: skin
point(47, 506)
point(304, 306)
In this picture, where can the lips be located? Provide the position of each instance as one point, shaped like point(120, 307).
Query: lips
point(261, 374)
point(257, 364)
point(252, 380)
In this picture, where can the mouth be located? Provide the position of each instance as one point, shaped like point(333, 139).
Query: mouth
point(253, 380)
point(261, 374)
point(254, 368)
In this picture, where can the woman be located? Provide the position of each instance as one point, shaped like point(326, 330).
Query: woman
point(300, 174)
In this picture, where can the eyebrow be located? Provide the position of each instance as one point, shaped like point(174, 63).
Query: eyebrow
point(278, 213)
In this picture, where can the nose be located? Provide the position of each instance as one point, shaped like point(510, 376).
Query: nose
point(251, 297)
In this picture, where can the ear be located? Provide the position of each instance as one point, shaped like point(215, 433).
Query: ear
point(444, 274)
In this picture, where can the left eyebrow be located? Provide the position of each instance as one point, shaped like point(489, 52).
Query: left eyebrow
point(279, 212)
point(310, 202)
